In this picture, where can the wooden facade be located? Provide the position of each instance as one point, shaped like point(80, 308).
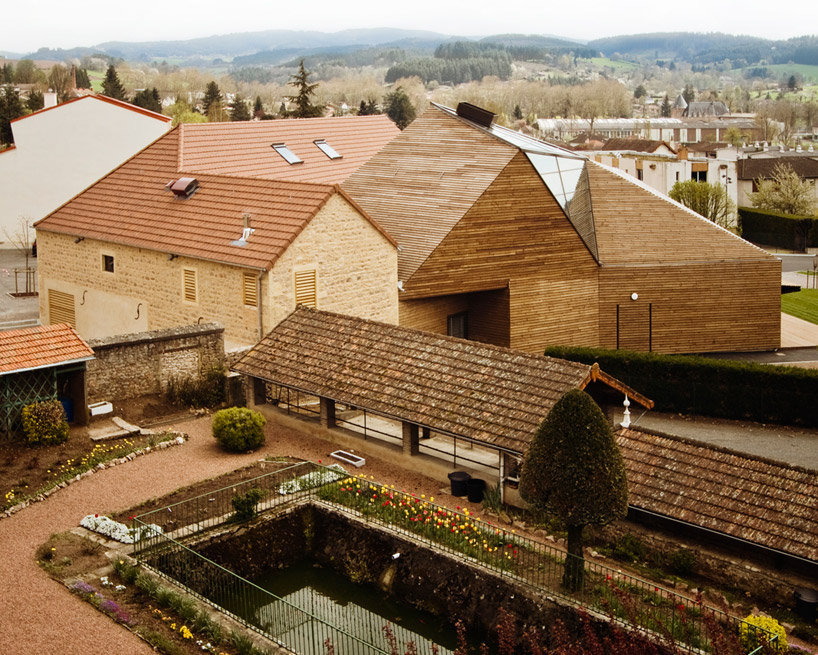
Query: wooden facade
point(481, 233)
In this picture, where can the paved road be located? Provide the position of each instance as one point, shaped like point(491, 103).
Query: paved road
point(15, 312)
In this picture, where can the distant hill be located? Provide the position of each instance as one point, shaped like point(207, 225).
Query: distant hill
point(531, 40)
point(711, 48)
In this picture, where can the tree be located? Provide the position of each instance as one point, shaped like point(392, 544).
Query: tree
point(60, 81)
point(11, 107)
point(83, 81)
point(785, 192)
point(666, 107)
point(734, 137)
point(239, 110)
point(792, 83)
point(26, 72)
point(708, 200)
point(518, 113)
point(303, 98)
point(258, 108)
point(22, 239)
point(212, 103)
point(35, 100)
point(399, 108)
point(574, 470)
point(640, 92)
point(688, 93)
point(148, 99)
point(368, 108)
point(111, 85)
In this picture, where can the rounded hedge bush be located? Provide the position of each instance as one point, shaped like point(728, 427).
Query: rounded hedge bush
point(44, 423)
point(239, 429)
point(751, 638)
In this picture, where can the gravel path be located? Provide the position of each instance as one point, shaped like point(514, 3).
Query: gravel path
point(39, 615)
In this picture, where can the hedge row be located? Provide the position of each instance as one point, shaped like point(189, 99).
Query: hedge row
point(710, 387)
point(777, 229)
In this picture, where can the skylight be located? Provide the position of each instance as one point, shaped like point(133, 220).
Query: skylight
point(327, 149)
point(289, 156)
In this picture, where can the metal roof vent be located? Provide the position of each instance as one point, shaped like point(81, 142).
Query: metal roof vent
point(475, 114)
point(183, 187)
point(245, 232)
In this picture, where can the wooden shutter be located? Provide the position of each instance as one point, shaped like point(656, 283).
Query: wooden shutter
point(305, 289)
point(250, 289)
point(61, 308)
point(189, 284)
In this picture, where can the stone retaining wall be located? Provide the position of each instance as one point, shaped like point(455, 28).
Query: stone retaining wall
point(133, 365)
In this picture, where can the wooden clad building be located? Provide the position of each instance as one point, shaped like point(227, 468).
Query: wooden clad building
point(511, 241)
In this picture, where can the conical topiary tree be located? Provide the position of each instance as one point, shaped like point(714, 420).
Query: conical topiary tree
point(111, 85)
point(574, 470)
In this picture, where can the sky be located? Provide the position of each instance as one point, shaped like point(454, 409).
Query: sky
point(60, 24)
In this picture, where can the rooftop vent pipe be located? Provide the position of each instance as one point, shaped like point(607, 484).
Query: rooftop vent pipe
point(183, 187)
point(475, 114)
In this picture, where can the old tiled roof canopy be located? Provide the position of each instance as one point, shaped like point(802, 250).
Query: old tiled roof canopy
point(40, 347)
point(764, 167)
point(131, 206)
point(243, 148)
point(477, 391)
point(751, 499)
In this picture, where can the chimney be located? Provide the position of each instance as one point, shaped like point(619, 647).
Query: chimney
point(73, 76)
point(683, 153)
point(49, 99)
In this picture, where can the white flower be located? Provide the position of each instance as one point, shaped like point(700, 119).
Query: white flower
point(311, 480)
point(117, 531)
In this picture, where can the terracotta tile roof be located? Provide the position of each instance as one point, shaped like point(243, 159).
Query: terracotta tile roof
point(244, 148)
point(635, 145)
point(635, 225)
point(482, 392)
point(763, 167)
point(40, 347)
point(762, 502)
point(131, 206)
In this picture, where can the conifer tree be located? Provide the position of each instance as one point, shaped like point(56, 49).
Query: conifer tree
point(11, 107)
point(399, 108)
point(302, 99)
point(258, 108)
point(239, 110)
point(212, 103)
point(112, 86)
point(574, 470)
point(83, 82)
point(148, 99)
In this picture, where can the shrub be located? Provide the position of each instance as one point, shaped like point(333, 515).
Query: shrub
point(682, 561)
point(206, 390)
point(45, 423)
point(751, 638)
point(239, 429)
point(245, 504)
point(629, 548)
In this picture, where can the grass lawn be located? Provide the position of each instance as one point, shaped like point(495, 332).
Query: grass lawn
point(803, 304)
point(96, 78)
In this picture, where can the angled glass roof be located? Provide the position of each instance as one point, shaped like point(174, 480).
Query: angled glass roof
point(560, 175)
point(327, 149)
point(289, 156)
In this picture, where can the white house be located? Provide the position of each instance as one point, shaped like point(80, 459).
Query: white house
point(59, 151)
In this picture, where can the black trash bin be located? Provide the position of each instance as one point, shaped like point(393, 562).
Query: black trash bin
point(474, 490)
point(806, 602)
point(458, 480)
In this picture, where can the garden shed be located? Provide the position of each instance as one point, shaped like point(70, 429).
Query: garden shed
point(470, 404)
point(42, 363)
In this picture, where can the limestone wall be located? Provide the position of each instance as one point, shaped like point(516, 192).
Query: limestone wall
point(135, 365)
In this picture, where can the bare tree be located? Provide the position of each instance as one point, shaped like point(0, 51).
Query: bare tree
point(22, 241)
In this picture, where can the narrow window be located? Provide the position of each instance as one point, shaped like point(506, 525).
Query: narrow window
point(61, 308)
point(457, 325)
point(640, 175)
point(249, 289)
point(108, 263)
point(189, 284)
point(289, 156)
point(305, 288)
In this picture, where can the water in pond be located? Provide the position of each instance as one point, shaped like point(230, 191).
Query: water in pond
point(325, 598)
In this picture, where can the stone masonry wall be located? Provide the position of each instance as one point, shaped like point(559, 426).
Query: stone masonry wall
point(138, 364)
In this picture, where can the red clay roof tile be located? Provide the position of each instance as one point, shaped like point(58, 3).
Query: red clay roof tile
point(39, 347)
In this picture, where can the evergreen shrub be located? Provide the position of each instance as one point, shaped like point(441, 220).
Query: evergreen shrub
point(44, 423)
point(245, 504)
point(239, 429)
point(709, 387)
point(776, 229)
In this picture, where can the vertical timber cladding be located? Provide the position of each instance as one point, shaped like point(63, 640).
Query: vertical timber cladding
point(515, 236)
point(693, 308)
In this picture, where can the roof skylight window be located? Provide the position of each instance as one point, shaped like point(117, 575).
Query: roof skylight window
point(327, 149)
point(289, 156)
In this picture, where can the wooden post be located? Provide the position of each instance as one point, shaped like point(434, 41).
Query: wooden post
point(411, 443)
point(426, 434)
point(327, 412)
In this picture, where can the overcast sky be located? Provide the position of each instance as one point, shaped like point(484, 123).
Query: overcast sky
point(29, 25)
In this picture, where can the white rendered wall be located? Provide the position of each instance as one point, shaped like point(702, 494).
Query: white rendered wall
point(61, 151)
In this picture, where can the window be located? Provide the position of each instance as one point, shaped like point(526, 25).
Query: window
point(640, 175)
point(108, 263)
point(327, 149)
point(305, 288)
point(61, 308)
point(457, 325)
point(249, 289)
point(189, 284)
point(699, 176)
point(289, 156)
